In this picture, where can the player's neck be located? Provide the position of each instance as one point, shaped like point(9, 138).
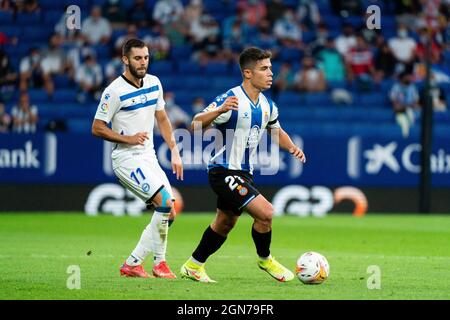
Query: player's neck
point(137, 82)
point(251, 91)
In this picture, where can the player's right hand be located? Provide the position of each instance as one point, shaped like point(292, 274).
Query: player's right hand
point(138, 138)
point(230, 103)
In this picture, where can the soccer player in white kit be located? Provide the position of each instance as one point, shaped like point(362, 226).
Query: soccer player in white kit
point(131, 103)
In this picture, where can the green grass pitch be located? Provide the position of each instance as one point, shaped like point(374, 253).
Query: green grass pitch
point(411, 251)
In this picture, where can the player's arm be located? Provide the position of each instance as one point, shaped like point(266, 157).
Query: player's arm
point(100, 129)
point(166, 131)
point(285, 142)
point(205, 118)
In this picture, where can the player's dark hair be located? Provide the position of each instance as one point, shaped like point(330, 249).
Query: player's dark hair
point(132, 43)
point(249, 57)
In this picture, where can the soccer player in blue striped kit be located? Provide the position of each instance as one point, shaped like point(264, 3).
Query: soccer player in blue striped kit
point(247, 111)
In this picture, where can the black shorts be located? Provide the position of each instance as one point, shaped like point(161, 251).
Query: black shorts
point(234, 188)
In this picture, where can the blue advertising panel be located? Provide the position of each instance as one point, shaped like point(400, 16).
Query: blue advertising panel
point(331, 160)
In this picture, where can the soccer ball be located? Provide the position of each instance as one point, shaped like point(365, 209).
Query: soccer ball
point(312, 268)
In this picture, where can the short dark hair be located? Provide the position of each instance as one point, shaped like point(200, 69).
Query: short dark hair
point(132, 43)
point(250, 56)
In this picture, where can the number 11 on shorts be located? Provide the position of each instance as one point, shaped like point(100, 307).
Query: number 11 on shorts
point(133, 175)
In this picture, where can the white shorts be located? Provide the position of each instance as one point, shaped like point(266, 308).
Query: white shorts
point(143, 176)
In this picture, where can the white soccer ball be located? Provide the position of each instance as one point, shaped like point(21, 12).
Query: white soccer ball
point(312, 268)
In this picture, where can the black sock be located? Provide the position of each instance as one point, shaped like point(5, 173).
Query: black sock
point(170, 222)
point(211, 242)
point(262, 242)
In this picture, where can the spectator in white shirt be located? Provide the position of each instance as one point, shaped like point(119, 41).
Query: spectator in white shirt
point(24, 115)
point(166, 11)
point(288, 31)
point(96, 28)
point(403, 47)
point(89, 77)
point(30, 70)
point(345, 41)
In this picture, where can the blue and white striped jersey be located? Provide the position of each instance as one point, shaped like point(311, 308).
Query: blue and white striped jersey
point(131, 110)
point(240, 131)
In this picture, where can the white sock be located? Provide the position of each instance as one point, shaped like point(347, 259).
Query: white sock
point(143, 248)
point(159, 227)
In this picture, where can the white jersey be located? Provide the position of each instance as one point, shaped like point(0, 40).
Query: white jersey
point(131, 110)
point(247, 124)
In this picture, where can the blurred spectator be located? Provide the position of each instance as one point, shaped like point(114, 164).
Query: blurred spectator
point(309, 78)
point(114, 68)
point(322, 35)
point(275, 10)
point(288, 31)
point(53, 62)
point(29, 6)
point(406, 12)
point(132, 33)
point(405, 100)
point(254, 11)
point(385, 63)
point(346, 8)
point(177, 116)
point(24, 115)
point(200, 30)
point(359, 64)
point(209, 50)
point(265, 39)
point(404, 48)
point(8, 77)
point(138, 14)
point(331, 62)
point(437, 95)
point(424, 43)
point(166, 11)
point(5, 119)
point(346, 40)
point(30, 70)
point(77, 54)
point(177, 32)
point(284, 79)
point(8, 6)
point(158, 43)
point(96, 28)
point(89, 78)
point(114, 12)
point(198, 105)
point(193, 11)
point(308, 13)
point(4, 39)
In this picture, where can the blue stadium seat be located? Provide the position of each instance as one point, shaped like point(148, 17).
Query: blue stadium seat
point(6, 18)
point(51, 5)
point(62, 81)
point(37, 95)
point(216, 68)
point(180, 52)
point(28, 19)
point(65, 96)
point(189, 68)
point(288, 98)
point(317, 99)
point(160, 67)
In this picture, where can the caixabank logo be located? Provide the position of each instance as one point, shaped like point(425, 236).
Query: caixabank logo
point(393, 158)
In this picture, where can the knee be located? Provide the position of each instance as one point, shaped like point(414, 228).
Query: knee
point(223, 226)
point(265, 218)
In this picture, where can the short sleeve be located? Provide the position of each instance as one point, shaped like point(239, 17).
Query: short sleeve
point(160, 102)
point(108, 106)
point(273, 120)
point(218, 101)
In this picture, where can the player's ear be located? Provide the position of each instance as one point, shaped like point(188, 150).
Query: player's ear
point(125, 60)
point(247, 73)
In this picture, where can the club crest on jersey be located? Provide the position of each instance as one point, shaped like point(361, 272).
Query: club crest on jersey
point(242, 190)
point(253, 137)
point(143, 98)
point(211, 106)
point(266, 116)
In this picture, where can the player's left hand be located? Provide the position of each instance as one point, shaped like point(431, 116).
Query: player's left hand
point(298, 153)
point(177, 164)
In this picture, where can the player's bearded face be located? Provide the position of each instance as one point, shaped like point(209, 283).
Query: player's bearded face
point(138, 62)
